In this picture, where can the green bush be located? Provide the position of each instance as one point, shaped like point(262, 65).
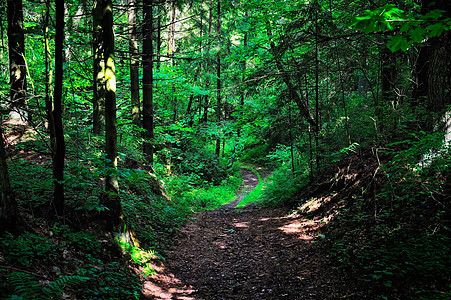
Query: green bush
point(203, 163)
point(27, 247)
point(113, 281)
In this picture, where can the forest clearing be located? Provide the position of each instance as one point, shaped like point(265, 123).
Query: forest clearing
point(225, 149)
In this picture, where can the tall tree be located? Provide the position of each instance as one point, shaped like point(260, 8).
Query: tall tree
point(49, 79)
point(171, 29)
point(433, 67)
point(8, 204)
point(59, 151)
point(439, 69)
point(206, 97)
point(98, 98)
point(17, 66)
point(111, 183)
point(134, 61)
point(244, 65)
point(218, 75)
point(148, 113)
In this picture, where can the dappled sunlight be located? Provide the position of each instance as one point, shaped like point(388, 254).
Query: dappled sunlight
point(241, 224)
point(163, 285)
point(308, 229)
point(274, 218)
point(315, 203)
point(220, 244)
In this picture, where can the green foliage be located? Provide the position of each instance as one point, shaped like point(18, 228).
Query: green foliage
point(413, 28)
point(405, 240)
point(284, 181)
point(113, 281)
point(24, 286)
point(199, 198)
point(254, 153)
point(281, 185)
point(81, 240)
point(27, 247)
point(140, 256)
point(201, 162)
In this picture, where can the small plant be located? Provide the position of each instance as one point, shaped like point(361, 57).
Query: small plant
point(140, 256)
point(26, 287)
point(113, 281)
point(26, 247)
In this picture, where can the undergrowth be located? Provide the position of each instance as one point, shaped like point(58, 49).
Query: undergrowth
point(284, 181)
point(391, 234)
point(76, 253)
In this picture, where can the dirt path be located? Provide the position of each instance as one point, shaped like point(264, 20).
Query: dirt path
point(247, 253)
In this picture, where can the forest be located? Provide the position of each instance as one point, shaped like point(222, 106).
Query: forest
point(225, 149)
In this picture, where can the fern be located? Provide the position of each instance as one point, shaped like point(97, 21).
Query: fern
point(55, 288)
point(26, 287)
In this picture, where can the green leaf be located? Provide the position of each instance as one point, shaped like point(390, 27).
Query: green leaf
point(435, 29)
point(398, 43)
point(417, 34)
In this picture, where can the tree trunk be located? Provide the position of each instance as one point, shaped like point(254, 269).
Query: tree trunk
point(8, 204)
point(317, 110)
point(439, 75)
point(98, 118)
point(171, 29)
point(148, 80)
point(433, 68)
point(59, 151)
point(218, 80)
point(159, 39)
point(49, 80)
point(17, 66)
point(206, 98)
point(113, 202)
point(134, 62)
point(243, 92)
point(439, 71)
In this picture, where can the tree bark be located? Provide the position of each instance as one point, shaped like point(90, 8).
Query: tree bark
point(206, 97)
point(134, 62)
point(49, 80)
point(159, 39)
point(148, 118)
point(8, 204)
point(243, 92)
point(433, 68)
point(59, 151)
point(171, 29)
point(17, 66)
point(218, 80)
point(98, 122)
point(113, 202)
point(439, 75)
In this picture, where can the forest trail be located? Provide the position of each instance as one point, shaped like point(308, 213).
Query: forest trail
point(246, 253)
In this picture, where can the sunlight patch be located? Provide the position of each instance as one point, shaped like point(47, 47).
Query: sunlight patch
point(241, 224)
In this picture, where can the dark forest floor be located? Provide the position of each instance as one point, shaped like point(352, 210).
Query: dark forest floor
point(247, 253)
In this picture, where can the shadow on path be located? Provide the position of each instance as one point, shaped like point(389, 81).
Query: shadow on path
point(247, 253)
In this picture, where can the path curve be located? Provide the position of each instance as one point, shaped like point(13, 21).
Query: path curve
point(246, 253)
point(250, 181)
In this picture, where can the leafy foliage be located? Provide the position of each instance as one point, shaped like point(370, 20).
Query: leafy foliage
point(413, 28)
point(26, 287)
